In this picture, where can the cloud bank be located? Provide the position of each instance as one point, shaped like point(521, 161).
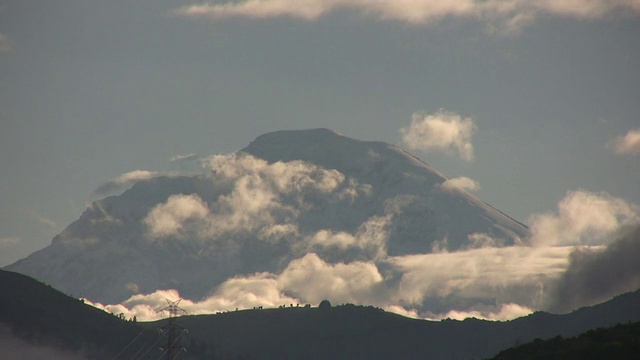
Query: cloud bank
point(568, 261)
point(441, 131)
point(510, 15)
point(628, 144)
point(491, 283)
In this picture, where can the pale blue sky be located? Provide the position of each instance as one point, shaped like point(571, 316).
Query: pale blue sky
point(90, 90)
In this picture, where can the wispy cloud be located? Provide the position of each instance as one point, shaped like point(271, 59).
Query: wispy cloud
point(510, 15)
point(582, 218)
point(7, 241)
point(515, 274)
point(123, 181)
point(628, 144)
point(5, 43)
point(441, 131)
point(460, 183)
point(186, 157)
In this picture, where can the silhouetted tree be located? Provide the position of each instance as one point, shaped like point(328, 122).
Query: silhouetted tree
point(324, 305)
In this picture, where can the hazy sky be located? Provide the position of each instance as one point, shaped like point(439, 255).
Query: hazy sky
point(527, 99)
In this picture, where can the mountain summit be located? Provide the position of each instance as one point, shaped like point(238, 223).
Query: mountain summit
point(291, 206)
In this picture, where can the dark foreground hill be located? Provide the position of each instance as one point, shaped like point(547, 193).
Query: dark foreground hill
point(620, 342)
point(357, 332)
point(38, 322)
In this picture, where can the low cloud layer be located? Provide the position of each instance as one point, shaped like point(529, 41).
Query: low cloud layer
point(441, 131)
point(493, 283)
point(124, 181)
point(569, 260)
point(510, 15)
point(628, 144)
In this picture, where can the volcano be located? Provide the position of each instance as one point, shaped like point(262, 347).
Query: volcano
point(287, 195)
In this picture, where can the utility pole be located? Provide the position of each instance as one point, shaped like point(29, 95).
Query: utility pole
point(173, 330)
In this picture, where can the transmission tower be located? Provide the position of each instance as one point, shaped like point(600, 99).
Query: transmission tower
point(173, 330)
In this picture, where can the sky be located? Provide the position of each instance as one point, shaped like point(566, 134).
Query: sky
point(523, 102)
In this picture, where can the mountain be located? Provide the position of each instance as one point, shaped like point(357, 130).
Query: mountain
point(264, 210)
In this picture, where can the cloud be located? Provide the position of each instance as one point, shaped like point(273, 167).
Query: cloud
point(5, 43)
point(173, 216)
point(582, 218)
point(8, 241)
point(124, 181)
point(308, 278)
point(496, 283)
point(516, 274)
point(442, 131)
point(509, 15)
point(187, 157)
point(596, 275)
point(255, 196)
point(460, 183)
point(629, 144)
point(312, 279)
point(503, 312)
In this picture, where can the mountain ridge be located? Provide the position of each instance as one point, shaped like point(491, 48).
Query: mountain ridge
point(41, 316)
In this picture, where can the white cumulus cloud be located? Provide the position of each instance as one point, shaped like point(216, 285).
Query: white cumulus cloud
point(255, 196)
point(442, 131)
point(312, 279)
point(171, 217)
point(582, 218)
point(628, 144)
